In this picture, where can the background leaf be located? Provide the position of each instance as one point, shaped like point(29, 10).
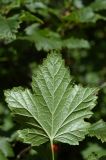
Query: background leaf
point(93, 152)
point(8, 27)
point(75, 43)
point(45, 40)
point(98, 129)
point(83, 15)
point(6, 148)
point(98, 5)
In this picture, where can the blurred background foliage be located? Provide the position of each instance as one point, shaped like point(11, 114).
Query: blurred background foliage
point(29, 30)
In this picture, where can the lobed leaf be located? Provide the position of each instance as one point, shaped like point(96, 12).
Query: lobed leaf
point(55, 109)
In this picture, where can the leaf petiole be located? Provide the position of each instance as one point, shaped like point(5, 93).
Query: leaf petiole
point(52, 149)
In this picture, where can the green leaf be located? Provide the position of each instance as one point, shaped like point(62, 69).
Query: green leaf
point(93, 152)
point(45, 40)
point(7, 6)
point(55, 110)
point(75, 43)
point(28, 17)
point(32, 28)
point(8, 123)
point(98, 129)
point(33, 6)
point(83, 15)
point(37, 7)
point(98, 5)
point(48, 40)
point(9, 27)
point(5, 147)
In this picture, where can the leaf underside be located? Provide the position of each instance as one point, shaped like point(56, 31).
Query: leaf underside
point(55, 109)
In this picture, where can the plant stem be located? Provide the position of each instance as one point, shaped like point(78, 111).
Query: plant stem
point(52, 150)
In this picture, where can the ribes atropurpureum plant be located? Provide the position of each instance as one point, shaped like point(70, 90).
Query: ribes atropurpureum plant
point(54, 110)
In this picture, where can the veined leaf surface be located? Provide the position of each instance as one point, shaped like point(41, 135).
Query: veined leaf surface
point(55, 108)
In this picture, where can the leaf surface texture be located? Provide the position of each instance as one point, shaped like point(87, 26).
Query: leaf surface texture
point(55, 109)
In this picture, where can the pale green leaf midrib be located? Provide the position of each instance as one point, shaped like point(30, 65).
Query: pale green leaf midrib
point(60, 99)
point(54, 91)
point(62, 94)
point(52, 137)
point(47, 88)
